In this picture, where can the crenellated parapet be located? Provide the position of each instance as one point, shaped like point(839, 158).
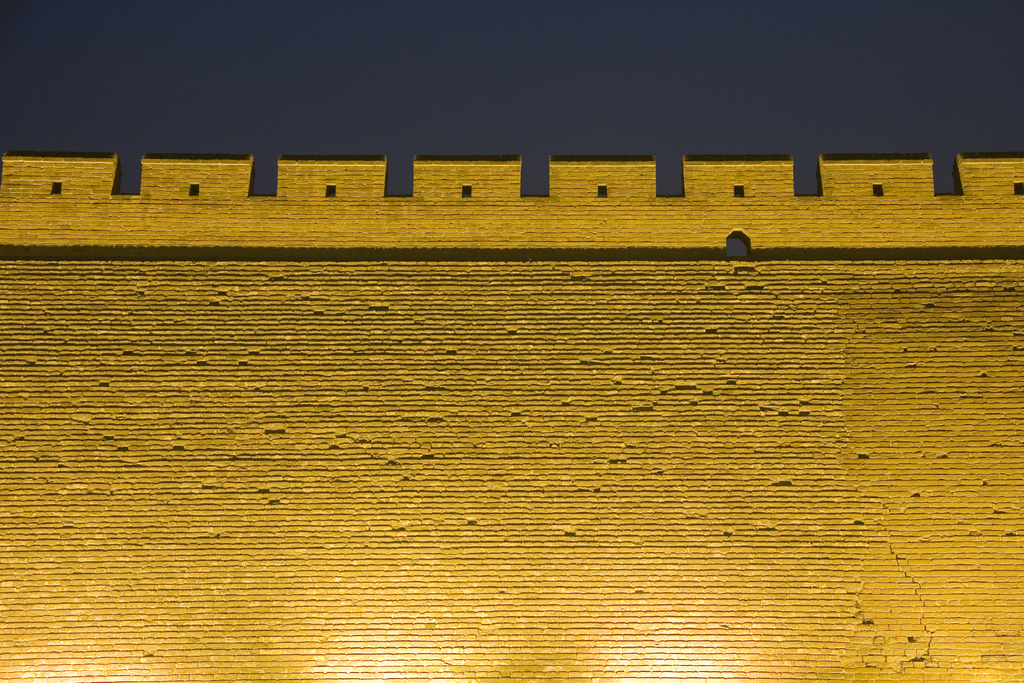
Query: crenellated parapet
point(28, 175)
point(172, 176)
point(864, 201)
point(989, 174)
point(756, 177)
point(623, 178)
point(849, 176)
point(308, 177)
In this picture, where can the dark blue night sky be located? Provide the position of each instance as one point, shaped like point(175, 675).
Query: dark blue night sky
point(533, 78)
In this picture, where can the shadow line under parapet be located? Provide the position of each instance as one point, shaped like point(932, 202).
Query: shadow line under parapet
point(11, 252)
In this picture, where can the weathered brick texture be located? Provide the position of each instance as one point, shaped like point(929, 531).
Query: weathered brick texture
point(483, 471)
point(553, 471)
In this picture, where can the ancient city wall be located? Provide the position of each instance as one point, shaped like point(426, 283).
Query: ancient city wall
point(422, 470)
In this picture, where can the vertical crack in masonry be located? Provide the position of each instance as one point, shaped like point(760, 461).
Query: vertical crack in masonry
point(917, 586)
point(843, 439)
point(887, 512)
point(843, 434)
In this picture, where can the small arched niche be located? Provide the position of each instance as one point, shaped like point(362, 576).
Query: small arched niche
point(737, 245)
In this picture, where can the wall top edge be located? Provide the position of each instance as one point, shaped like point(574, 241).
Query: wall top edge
point(332, 157)
point(504, 158)
point(509, 158)
point(599, 158)
point(197, 157)
point(735, 158)
point(922, 156)
point(62, 155)
point(991, 155)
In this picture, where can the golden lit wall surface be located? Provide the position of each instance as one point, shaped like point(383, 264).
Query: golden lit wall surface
point(782, 471)
point(608, 471)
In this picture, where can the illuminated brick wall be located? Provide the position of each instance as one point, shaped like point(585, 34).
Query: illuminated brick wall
point(562, 471)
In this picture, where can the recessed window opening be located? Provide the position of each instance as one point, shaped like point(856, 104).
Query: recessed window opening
point(56, 188)
point(332, 191)
point(877, 190)
point(602, 190)
point(467, 190)
point(737, 190)
point(1018, 188)
point(193, 190)
point(737, 245)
